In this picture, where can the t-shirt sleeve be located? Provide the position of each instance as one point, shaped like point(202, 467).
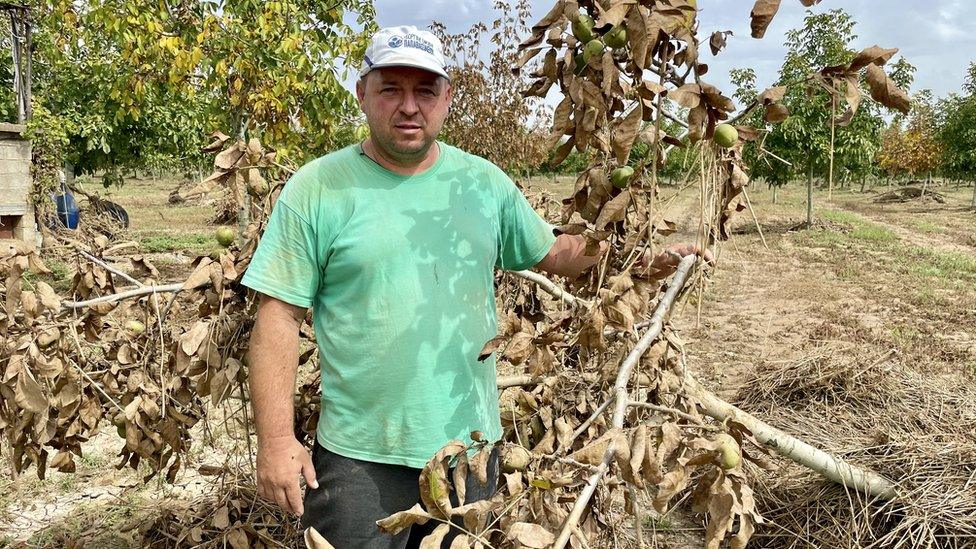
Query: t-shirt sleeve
point(525, 237)
point(285, 264)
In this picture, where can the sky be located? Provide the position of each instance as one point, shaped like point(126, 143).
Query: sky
point(937, 36)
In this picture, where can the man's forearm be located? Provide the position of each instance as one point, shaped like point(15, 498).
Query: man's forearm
point(568, 256)
point(273, 359)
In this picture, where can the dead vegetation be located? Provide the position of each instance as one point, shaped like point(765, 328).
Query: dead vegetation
point(910, 193)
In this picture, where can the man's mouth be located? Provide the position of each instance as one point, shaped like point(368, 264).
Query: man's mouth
point(408, 127)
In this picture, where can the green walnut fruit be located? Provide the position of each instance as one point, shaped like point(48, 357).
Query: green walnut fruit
point(362, 132)
point(225, 236)
point(515, 458)
point(616, 38)
point(593, 48)
point(726, 135)
point(583, 28)
point(578, 64)
point(621, 177)
point(258, 187)
point(731, 455)
point(119, 422)
point(135, 327)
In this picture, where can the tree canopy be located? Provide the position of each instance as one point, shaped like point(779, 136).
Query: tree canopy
point(137, 82)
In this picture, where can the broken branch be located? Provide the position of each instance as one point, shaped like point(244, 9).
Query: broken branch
point(145, 290)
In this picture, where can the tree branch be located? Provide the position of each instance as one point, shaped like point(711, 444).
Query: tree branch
point(622, 397)
point(145, 290)
point(832, 467)
point(552, 288)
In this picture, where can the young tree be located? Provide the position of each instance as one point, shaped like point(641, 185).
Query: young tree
point(489, 116)
point(821, 129)
point(957, 132)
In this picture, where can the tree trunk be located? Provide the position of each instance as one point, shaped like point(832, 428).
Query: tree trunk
point(864, 178)
point(774, 193)
point(810, 195)
point(974, 194)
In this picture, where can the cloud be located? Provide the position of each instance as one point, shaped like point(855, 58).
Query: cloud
point(938, 37)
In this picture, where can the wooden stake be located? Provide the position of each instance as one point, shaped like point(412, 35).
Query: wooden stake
point(830, 171)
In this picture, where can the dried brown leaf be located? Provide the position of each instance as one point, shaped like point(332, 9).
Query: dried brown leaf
point(625, 134)
point(772, 95)
point(29, 395)
point(435, 488)
point(613, 16)
point(49, 298)
point(884, 90)
point(674, 481)
point(191, 340)
point(201, 275)
point(531, 536)
point(434, 539)
point(229, 157)
point(688, 95)
point(219, 138)
point(776, 112)
point(762, 15)
point(491, 346)
point(615, 210)
point(397, 522)
point(717, 41)
point(221, 518)
point(875, 55)
point(314, 540)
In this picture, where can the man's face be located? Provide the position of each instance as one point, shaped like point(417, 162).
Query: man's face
point(405, 108)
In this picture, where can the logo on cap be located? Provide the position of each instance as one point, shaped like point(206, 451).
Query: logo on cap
point(414, 41)
point(395, 42)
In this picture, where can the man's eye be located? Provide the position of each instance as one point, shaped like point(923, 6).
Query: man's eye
point(388, 90)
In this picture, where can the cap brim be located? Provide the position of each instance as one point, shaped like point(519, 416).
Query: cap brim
point(431, 67)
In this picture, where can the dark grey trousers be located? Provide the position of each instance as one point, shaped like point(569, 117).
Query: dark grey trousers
point(354, 494)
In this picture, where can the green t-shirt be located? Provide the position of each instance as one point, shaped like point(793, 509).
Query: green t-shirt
point(398, 271)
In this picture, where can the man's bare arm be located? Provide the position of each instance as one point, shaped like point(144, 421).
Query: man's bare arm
point(273, 361)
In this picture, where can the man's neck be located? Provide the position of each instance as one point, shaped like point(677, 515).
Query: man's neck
point(398, 166)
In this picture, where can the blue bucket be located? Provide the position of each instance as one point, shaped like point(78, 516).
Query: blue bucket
point(67, 209)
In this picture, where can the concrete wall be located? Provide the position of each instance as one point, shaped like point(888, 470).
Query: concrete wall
point(15, 181)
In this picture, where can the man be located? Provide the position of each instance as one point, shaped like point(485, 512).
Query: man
point(393, 243)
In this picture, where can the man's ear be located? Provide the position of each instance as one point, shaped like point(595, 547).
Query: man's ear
point(450, 94)
point(361, 92)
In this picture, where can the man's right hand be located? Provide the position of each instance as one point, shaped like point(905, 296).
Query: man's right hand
point(280, 462)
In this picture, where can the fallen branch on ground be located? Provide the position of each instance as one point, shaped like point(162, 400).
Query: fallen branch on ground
point(831, 467)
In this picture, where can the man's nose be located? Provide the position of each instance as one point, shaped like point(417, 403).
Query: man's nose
point(408, 105)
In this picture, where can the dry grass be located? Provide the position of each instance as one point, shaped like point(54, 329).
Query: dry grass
point(877, 412)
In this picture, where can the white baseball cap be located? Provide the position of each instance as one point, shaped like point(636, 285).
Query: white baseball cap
point(405, 46)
